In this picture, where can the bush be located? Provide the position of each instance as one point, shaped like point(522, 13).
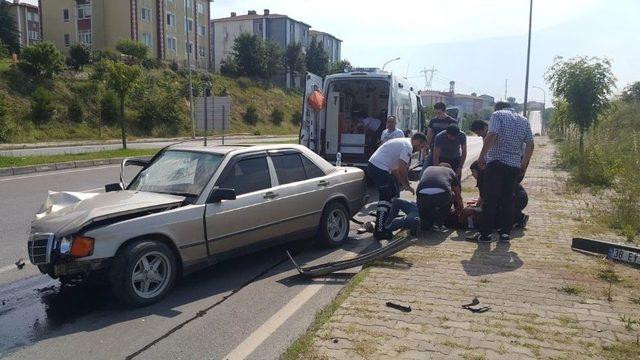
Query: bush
point(244, 83)
point(4, 123)
point(174, 66)
point(149, 64)
point(228, 68)
point(74, 111)
point(134, 49)
point(251, 116)
point(79, 55)
point(42, 108)
point(41, 60)
point(296, 118)
point(4, 51)
point(99, 55)
point(109, 108)
point(276, 117)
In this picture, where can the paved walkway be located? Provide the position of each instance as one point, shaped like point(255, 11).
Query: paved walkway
point(546, 300)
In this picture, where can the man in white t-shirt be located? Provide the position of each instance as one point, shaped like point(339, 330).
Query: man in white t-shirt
point(391, 132)
point(390, 161)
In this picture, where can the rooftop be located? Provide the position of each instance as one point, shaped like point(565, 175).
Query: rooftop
point(253, 15)
point(316, 32)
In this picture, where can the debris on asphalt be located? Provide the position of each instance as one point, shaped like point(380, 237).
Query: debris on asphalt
point(473, 302)
point(20, 263)
point(399, 307)
point(472, 306)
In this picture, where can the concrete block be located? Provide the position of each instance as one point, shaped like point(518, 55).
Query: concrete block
point(65, 165)
point(24, 170)
point(100, 162)
point(84, 163)
point(45, 167)
point(6, 171)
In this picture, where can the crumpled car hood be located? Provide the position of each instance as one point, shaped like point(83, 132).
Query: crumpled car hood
point(66, 212)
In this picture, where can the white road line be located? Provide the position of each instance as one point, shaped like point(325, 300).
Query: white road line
point(254, 340)
point(48, 173)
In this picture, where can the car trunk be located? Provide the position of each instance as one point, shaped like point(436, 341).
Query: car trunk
point(355, 118)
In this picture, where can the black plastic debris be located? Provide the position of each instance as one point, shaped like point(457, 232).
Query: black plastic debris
point(399, 307)
point(474, 308)
point(20, 263)
point(473, 302)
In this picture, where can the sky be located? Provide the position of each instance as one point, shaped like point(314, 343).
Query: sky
point(478, 44)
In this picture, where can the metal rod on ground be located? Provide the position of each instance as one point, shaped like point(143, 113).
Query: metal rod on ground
point(526, 81)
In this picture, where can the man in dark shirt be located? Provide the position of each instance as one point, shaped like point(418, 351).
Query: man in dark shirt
point(438, 188)
point(450, 146)
point(436, 126)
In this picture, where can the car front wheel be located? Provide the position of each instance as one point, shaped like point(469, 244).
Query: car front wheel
point(334, 225)
point(143, 272)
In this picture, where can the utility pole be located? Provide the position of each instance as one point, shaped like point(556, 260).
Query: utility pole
point(506, 83)
point(526, 81)
point(428, 76)
point(189, 48)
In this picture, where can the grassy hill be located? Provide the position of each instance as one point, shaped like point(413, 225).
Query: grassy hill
point(74, 106)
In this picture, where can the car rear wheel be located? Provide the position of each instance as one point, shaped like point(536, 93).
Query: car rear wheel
point(143, 272)
point(334, 225)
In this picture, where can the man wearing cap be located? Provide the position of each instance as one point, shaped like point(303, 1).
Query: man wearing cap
point(450, 146)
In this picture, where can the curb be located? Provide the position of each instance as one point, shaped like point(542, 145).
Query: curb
point(21, 170)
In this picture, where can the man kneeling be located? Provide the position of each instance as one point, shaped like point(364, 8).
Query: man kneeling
point(410, 221)
point(439, 187)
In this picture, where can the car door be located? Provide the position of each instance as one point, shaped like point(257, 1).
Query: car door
point(302, 187)
point(310, 128)
point(231, 224)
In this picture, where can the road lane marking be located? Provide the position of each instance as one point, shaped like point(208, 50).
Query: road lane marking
point(261, 334)
point(48, 173)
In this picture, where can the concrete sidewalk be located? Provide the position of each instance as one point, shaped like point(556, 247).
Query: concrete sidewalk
point(546, 300)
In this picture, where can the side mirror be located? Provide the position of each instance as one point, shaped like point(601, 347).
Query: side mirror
point(219, 194)
point(113, 187)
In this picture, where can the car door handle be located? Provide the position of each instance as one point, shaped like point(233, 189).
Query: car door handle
point(323, 183)
point(270, 195)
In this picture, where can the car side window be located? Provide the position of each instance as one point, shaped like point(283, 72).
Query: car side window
point(312, 170)
point(289, 168)
point(248, 175)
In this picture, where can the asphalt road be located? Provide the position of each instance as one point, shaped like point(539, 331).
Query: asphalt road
point(250, 307)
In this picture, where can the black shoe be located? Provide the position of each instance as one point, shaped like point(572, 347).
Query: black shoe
point(505, 238)
point(416, 228)
point(479, 238)
point(383, 236)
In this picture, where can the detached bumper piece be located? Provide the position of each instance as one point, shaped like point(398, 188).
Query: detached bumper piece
point(619, 252)
point(334, 266)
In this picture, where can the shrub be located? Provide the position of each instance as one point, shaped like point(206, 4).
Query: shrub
point(174, 66)
point(74, 110)
point(107, 54)
point(134, 49)
point(4, 123)
point(42, 108)
point(251, 116)
point(228, 68)
point(276, 116)
point(109, 108)
point(149, 64)
point(41, 60)
point(296, 118)
point(244, 82)
point(4, 51)
point(79, 55)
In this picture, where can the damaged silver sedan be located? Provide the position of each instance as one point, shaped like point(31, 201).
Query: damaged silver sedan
point(189, 207)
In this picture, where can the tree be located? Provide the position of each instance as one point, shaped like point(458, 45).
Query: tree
point(585, 84)
point(294, 60)
point(251, 116)
point(79, 55)
point(42, 61)
point(340, 66)
point(248, 55)
point(4, 51)
point(317, 58)
point(121, 78)
point(276, 116)
point(42, 107)
point(273, 57)
point(74, 110)
point(512, 101)
point(8, 28)
point(134, 49)
point(631, 93)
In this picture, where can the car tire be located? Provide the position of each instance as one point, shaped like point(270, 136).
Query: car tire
point(143, 272)
point(334, 225)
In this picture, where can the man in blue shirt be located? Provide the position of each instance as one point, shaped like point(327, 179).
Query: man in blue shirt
point(504, 164)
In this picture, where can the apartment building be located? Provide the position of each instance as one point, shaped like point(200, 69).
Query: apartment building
point(171, 33)
point(280, 29)
point(27, 18)
point(331, 44)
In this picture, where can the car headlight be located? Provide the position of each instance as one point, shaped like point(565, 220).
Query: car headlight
point(65, 244)
point(76, 245)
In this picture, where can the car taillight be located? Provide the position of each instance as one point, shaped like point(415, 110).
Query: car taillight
point(82, 246)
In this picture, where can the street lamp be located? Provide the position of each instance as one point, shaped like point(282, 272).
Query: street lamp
point(544, 105)
point(392, 60)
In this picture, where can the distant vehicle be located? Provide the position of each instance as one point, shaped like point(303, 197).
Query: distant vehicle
point(189, 207)
point(456, 113)
point(350, 98)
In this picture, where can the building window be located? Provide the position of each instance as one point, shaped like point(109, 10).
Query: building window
point(147, 39)
point(200, 7)
point(171, 19)
point(202, 30)
point(67, 40)
point(84, 37)
point(189, 3)
point(65, 15)
point(189, 47)
point(33, 17)
point(172, 44)
point(202, 51)
point(188, 25)
point(33, 35)
point(146, 14)
point(84, 11)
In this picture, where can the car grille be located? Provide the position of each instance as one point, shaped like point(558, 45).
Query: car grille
point(39, 247)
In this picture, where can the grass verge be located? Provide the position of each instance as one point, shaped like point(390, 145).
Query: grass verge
point(301, 347)
point(8, 161)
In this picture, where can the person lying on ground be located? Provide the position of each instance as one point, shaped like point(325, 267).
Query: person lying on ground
point(410, 221)
point(438, 189)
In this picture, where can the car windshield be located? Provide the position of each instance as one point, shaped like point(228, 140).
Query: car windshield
point(183, 173)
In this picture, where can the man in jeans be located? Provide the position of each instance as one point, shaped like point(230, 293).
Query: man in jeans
point(390, 163)
point(438, 188)
point(504, 164)
point(450, 146)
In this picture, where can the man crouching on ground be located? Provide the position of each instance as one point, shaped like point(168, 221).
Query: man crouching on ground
point(390, 161)
point(438, 188)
